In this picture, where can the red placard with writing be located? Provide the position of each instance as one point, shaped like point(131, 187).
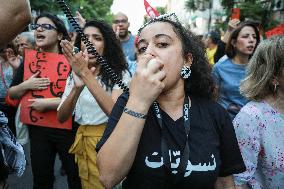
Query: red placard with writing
point(56, 68)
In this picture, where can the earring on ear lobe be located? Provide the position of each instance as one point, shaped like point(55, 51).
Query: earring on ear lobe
point(275, 87)
point(185, 72)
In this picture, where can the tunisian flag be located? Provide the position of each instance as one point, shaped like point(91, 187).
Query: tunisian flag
point(150, 10)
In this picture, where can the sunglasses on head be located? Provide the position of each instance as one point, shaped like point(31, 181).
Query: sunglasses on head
point(43, 26)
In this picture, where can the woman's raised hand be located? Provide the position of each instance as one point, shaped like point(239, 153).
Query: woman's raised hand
point(34, 83)
point(147, 83)
point(233, 24)
point(13, 60)
point(78, 61)
point(77, 80)
point(81, 20)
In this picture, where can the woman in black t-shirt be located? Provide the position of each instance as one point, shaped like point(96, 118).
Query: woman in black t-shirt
point(168, 132)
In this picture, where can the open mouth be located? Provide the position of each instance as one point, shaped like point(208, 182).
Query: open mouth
point(40, 37)
point(250, 48)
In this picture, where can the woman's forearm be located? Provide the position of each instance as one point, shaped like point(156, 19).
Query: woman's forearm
point(103, 99)
point(16, 92)
point(67, 107)
point(122, 144)
point(52, 103)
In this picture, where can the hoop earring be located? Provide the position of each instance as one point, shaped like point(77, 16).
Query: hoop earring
point(185, 72)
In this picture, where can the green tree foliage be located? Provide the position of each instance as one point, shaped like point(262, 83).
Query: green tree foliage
point(99, 9)
point(51, 5)
point(89, 9)
point(191, 5)
point(256, 10)
point(161, 10)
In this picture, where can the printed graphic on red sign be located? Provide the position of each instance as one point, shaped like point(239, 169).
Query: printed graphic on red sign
point(56, 68)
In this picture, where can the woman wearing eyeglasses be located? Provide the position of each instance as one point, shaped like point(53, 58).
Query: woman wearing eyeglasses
point(47, 142)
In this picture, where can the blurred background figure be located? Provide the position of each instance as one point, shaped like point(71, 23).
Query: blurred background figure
point(211, 42)
point(259, 124)
point(229, 72)
point(221, 47)
point(120, 26)
point(26, 40)
point(9, 62)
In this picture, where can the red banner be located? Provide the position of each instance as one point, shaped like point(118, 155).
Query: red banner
point(279, 30)
point(56, 68)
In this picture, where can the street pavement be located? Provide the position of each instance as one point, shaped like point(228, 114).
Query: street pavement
point(26, 180)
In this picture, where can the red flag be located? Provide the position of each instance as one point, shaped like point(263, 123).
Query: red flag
point(150, 10)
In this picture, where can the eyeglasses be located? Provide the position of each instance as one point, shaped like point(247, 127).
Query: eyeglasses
point(43, 26)
point(123, 21)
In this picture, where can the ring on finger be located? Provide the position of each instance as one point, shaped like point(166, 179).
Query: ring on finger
point(75, 50)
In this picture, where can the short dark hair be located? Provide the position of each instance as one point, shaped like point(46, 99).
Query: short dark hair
point(230, 50)
point(59, 25)
point(112, 52)
point(214, 36)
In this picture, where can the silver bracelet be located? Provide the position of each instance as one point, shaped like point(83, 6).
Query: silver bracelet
point(134, 114)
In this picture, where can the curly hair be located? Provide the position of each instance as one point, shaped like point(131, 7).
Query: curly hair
point(200, 83)
point(112, 52)
point(59, 24)
point(266, 64)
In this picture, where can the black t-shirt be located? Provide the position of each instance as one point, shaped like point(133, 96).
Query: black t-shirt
point(213, 148)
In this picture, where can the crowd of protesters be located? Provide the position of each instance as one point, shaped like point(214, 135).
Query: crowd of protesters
point(198, 113)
